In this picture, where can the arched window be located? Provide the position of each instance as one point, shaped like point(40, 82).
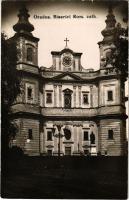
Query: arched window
point(67, 134)
point(67, 98)
point(30, 54)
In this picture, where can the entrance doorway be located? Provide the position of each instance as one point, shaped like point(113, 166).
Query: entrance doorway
point(67, 151)
point(49, 152)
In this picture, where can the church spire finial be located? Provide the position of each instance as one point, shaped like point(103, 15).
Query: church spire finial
point(23, 25)
point(110, 23)
point(110, 10)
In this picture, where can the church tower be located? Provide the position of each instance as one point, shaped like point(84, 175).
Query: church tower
point(107, 45)
point(112, 129)
point(27, 105)
point(27, 43)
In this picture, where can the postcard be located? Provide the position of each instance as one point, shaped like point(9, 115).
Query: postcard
point(64, 70)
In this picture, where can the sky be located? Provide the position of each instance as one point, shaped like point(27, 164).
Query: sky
point(83, 34)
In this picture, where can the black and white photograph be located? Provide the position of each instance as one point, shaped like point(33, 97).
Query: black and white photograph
point(64, 99)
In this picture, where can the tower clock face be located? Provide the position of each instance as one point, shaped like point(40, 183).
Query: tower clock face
point(67, 61)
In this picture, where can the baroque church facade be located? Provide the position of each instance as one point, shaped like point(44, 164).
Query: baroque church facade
point(66, 109)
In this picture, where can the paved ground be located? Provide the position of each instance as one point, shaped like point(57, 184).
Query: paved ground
point(84, 178)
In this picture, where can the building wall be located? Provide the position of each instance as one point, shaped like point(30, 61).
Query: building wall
point(115, 146)
point(77, 95)
point(109, 85)
point(101, 114)
point(22, 45)
point(76, 142)
point(58, 61)
point(22, 140)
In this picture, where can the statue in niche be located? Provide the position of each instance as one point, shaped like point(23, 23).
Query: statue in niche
point(92, 138)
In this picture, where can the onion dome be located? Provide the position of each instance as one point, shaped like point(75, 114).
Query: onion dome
point(110, 24)
point(23, 25)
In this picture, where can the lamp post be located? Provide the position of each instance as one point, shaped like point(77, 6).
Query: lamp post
point(59, 135)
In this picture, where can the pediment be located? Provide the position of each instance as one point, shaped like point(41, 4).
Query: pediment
point(67, 90)
point(67, 76)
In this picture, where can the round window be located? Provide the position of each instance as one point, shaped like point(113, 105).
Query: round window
point(67, 61)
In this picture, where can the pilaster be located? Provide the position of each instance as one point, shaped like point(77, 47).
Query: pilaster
point(60, 95)
point(74, 96)
point(79, 133)
point(43, 95)
point(41, 142)
point(59, 63)
point(91, 96)
point(44, 140)
point(55, 95)
point(75, 140)
point(79, 94)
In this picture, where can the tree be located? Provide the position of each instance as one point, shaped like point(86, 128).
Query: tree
point(10, 88)
point(121, 55)
point(118, 56)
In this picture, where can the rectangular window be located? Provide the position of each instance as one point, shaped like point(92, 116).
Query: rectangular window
point(49, 136)
point(30, 134)
point(110, 134)
point(110, 95)
point(29, 93)
point(85, 99)
point(49, 98)
point(86, 135)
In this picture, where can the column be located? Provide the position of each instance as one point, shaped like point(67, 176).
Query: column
point(74, 96)
point(55, 152)
point(80, 138)
point(79, 94)
point(60, 95)
point(98, 138)
point(75, 140)
point(61, 141)
point(55, 95)
point(91, 96)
